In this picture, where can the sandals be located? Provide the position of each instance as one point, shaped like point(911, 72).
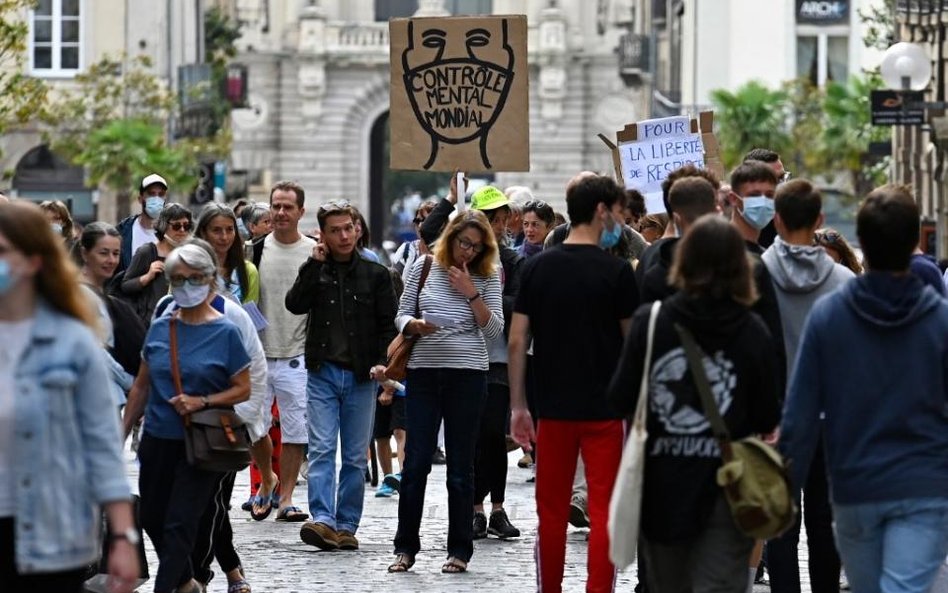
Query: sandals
point(291, 515)
point(403, 562)
point(241, 586)
point(454, 565)
point(263, 505)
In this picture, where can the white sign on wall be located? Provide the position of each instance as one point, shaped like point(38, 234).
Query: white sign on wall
point(662, 145)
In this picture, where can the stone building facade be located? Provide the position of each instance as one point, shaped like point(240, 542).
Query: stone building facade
point(319, 92)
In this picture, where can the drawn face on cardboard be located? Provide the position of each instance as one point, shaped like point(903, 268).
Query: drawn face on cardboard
point(457, 81)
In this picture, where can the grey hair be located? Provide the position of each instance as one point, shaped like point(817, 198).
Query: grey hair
point(519, 195)
point(193, 256)
point(258, 212)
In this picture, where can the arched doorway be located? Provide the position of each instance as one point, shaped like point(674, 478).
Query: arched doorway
point(394, 195)
point(41, 175)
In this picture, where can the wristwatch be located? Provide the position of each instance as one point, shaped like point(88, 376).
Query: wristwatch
point(131, 535)
point(476, 296)
point(206, 401)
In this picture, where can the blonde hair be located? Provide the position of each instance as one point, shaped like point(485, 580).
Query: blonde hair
point(57, 281)
point(483, 263)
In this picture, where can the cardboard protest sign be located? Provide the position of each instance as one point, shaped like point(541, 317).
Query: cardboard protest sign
point(647, 151)
point(459, 94)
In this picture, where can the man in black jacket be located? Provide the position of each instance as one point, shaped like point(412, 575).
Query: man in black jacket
point(351, 305)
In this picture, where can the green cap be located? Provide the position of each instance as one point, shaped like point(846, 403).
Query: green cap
point(488, 198)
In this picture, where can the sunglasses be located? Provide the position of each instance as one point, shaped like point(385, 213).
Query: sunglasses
point(468, 246)
point(180, 226)
point(535, 204)
point(196, 280)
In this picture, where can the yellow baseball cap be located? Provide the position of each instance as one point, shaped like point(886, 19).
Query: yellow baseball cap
point(488, 198)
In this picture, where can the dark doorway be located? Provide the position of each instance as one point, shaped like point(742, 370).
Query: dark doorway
point(42, 175)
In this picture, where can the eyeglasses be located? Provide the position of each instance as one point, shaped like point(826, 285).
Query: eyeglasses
point(335, 206)
point(180, 226)
point(196, 280)
point(830, 237)
point(468, 246)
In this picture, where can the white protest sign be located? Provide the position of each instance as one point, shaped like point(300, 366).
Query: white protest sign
point(661, 146)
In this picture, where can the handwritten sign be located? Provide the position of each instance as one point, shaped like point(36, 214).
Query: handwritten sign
point(660, 147)
point(459, 94)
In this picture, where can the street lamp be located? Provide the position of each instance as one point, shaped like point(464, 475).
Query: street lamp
point(906, 66)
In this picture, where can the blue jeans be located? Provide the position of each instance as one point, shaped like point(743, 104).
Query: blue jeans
point(338, 409)
point(457, 396)
point(893, 546)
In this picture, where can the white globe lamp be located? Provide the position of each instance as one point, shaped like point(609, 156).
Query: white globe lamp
point(906, 66)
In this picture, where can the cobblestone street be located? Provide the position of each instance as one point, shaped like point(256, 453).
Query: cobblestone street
point(276, 561)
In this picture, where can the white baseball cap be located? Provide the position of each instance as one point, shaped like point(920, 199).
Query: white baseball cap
point(153, 179)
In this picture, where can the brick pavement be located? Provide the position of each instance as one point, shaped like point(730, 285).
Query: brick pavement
point(276, 561)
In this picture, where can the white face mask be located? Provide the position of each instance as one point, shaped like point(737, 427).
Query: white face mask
point(188, 296)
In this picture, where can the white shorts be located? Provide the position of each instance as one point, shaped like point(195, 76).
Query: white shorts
point(287, 381)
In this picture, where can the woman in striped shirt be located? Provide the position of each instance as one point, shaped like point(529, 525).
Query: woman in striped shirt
point(459, 306)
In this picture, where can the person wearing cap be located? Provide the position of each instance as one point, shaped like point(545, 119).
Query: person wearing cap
point(490, 464)
point(139, 229)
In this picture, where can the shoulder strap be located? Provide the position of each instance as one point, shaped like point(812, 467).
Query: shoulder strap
point(694, 354)
point(175, 369)
point(641, 407)
point(425, 269)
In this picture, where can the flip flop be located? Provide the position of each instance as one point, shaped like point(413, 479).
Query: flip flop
point(403, 563)
point(260, 502)
point(264, 500)
point(291, 515)
point(454, 565)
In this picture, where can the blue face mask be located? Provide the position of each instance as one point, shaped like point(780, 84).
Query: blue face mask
point(609, 237)
point(153, 206)
point(242, 229)
point(758, 211)
point(6, 277)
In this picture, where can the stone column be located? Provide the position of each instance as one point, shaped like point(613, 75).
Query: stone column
point(431, 8)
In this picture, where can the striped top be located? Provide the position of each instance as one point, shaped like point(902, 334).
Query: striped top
point(461, 346)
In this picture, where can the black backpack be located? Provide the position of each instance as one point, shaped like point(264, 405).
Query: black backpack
point(128, 332)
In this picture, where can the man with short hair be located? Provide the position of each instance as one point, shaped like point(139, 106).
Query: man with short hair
point(870, 380)
point(772, 160)
point(278, 257)
point(689, 199)
point(351, 305)
point(598, 293)
point(139, 229)
point(801, 273)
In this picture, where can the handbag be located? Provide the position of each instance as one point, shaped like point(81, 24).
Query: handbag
point(753, 474)
point(215, 439)
point(625, 505)
point(399, 350)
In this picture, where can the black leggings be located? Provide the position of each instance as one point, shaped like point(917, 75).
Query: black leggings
point(67, 581)
point(174, 497)
point(215, 538)
point(490, 459)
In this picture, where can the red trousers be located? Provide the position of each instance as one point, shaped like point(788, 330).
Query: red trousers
point(255, 477)
point(558, 444)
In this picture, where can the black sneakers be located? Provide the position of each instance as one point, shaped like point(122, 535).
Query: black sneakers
point(480, 525)
point(500, 526)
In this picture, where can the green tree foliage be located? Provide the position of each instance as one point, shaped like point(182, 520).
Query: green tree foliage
point(848, 131)
point(753, 116)
point(880, 25)
point(114, 121)
point(819, 132)
point(21, 96)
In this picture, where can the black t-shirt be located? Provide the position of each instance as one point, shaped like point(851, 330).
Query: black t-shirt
point(575, 296)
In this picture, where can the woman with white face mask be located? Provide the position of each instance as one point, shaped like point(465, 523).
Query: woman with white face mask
point(145, 283)
point(60, 449)
point(214, 372)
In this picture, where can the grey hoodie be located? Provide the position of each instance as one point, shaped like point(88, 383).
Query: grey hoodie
point(801, 274)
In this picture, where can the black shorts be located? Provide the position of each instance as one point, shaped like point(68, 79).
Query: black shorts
point(389, 418)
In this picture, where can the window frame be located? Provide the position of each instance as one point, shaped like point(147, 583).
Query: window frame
point(56, 44)
point(823, 34)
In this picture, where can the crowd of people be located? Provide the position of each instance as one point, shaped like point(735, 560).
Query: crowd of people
point(523, 328)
